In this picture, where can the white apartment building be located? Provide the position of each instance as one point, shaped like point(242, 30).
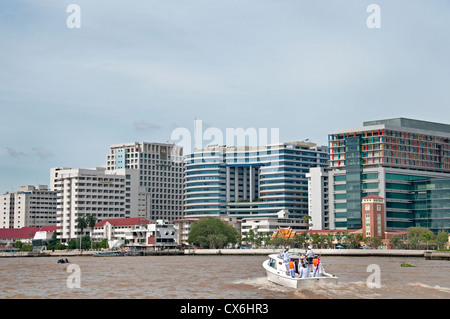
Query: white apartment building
point(160, 170)
point(29, 206)
point(318, 199)
point(102, 193)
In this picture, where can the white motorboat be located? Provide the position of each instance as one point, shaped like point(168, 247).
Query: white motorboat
point(276, 271)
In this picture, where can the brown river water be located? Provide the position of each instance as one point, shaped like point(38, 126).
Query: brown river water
point(215, 277)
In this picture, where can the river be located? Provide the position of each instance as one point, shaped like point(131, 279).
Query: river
point(212, 277)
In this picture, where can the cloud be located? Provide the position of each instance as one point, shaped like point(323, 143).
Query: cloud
point(143, 125)
point(14, 153)
point(42, 153)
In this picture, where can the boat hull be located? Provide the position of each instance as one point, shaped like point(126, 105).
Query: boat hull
point(278, 276)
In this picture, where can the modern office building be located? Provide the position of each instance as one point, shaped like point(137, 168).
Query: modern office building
point(430, 200)
point(82, 192)
point(160, 170)
point(384, 158)
point(31, 205)
point(250, 181)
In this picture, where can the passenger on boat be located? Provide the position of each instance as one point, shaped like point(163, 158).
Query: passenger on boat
point(303, 272)
point(286, 259)
point(292, 268)
point(309, 258)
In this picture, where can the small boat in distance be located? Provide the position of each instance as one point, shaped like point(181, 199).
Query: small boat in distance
point(108, 253)
point(276, 271)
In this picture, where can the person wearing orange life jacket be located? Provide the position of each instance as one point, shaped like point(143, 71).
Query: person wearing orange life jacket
point(292, 268)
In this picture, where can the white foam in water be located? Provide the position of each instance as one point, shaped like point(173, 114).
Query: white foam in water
point(437, 288)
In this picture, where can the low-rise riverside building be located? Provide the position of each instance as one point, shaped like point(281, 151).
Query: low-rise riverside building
point(135, 232)
point(36, 236)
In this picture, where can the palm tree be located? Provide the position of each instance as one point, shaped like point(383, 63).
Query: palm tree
point(306, 220)
point(91, 220)
point(81, 224)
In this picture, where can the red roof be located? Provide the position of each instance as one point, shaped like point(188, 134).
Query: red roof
point(373, 196)
point(186, 219)
point(24, 232)
point(124, 221)
point(324, 231)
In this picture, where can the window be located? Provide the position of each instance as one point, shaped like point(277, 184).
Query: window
point(379, 208)
point(367, 207)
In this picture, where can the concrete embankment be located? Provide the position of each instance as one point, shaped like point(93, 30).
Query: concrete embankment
point(437, 255)
point(324, 252)
point(429, 255)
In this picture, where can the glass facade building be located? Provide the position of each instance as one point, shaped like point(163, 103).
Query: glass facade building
point(384, 158)
point(431, 203)
point(250, 181)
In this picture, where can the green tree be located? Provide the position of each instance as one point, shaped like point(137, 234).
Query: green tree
point(373, 241)
point(419, 237)
point(441, 240)
point(18, 244)
point(90, 221)
point(265, 238)
point(81, 225)
point(51, 245)
point(307, 220)
point(280, 242)
point(396, 241)
point(249, 237)
point(72, 244)
point(207, 226)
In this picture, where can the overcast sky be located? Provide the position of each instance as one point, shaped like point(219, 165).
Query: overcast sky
point(136, 70)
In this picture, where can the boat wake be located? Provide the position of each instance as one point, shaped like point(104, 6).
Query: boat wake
point(435, 288)
point(263, 284)
point(349, 290)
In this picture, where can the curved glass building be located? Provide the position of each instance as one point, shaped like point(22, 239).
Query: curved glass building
point(250, 181)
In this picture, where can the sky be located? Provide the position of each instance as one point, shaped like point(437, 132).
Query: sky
point(136, 70)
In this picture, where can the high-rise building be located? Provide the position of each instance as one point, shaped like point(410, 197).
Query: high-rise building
point(318, 199)
point(160, 176)
point(103, 194)
point(31, 205)
point(383, 158)
point(250, 181)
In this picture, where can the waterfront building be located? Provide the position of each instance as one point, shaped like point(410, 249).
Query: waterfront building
point(270, 225)
point(136, 232)
point(30, 205)
point(384, 158)
point(160, 170)
point(104, 194)
point(250, 181)
point(32, 235)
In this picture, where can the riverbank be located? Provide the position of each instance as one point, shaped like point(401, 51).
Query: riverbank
point(429, 255)
point(324, 252)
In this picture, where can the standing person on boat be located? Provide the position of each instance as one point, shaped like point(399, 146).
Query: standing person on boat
point(303, 271)
point(292, 268)
point(309, 258)
point(286, 259)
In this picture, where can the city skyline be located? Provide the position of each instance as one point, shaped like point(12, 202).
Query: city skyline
point(136, 72)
